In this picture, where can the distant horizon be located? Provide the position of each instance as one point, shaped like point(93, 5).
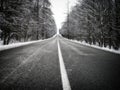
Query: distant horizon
point(59, 9)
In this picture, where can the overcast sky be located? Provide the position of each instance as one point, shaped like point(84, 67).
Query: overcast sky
point(59, 8)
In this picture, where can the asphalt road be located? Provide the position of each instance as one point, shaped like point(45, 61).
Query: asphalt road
point(36, 67)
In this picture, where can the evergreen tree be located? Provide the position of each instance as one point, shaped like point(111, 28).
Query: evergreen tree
point(95, 21)
point(24, 20)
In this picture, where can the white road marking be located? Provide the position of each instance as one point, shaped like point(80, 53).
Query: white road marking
point(64, 76)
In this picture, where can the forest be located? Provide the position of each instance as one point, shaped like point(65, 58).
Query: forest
point(95, 22)
point(26, 20)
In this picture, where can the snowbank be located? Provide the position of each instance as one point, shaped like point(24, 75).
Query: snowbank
point(97, 47)
point(14, 45)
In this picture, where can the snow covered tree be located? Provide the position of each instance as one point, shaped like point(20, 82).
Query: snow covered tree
point(24, 20)
point(95, 21)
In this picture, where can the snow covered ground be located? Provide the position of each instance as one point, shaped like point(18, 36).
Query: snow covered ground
point(97, 47)
point(14, 45)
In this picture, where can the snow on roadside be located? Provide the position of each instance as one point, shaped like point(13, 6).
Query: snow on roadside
point(14, 45)
point(97, 47)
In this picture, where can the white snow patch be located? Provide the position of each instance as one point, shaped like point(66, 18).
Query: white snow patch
point(14, 45)
point(18, 44)
point(98, 47)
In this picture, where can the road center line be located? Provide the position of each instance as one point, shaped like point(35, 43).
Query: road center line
point(64, 76)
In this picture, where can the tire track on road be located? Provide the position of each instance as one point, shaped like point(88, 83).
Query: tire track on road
point(24, 62)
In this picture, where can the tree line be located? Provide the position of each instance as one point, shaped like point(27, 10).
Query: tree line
point(24, 20)
point(95, 22)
